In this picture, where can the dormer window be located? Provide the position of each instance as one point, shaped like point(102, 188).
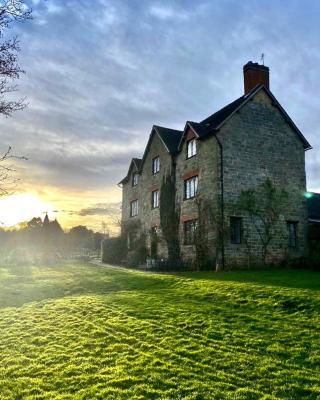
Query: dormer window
point(135, 179)
point(155, 165)
point(191, 148)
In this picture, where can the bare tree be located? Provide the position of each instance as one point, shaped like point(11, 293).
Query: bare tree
point(8, 180)
point(10, 11)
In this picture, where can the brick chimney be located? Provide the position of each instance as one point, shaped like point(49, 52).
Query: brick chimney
point(254, 74)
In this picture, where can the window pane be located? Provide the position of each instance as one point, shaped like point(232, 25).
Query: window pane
point(155, 165)
point(292, 234)
point(191, 186)
point(235, 230)
point(190, 231)
point(191, 148)
point(155, 199)
point(134, 208)
point(135, 179)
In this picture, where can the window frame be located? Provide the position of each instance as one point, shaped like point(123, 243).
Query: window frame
point(193, 188)
point(189, 235)
point(135, 176)
point(134, 208)
point(193, 144)
point(292, 241)
point(155, 165)
point(155, 195)
point(236, 230)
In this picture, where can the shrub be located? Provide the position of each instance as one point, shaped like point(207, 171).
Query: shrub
point(139, 254)
point(114, 250)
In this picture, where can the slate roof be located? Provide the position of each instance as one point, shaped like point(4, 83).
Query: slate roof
point(173, 138)
point(170, 137)
point(218, 117)
point(214, 121)
point(313, 204)
point(135, 161)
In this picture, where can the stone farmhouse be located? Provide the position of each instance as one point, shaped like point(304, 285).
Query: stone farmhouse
point(210, 163)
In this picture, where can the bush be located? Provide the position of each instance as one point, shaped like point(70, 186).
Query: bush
point(114, 250)
point(138, 256)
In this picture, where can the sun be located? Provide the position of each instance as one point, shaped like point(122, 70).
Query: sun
point(22, 207)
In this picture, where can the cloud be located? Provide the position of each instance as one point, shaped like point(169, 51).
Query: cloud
point(99, 76)
point(166, 12)
point(108, 209)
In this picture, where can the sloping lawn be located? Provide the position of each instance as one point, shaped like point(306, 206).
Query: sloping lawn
point(86, 332)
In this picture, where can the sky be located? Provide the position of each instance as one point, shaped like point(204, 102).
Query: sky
point(99, 74)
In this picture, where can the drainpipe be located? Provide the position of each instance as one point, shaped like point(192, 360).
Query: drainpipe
point(221, 201)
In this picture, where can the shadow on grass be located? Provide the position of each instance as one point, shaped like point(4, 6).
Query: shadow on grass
point(280, 277)
point(20, 285)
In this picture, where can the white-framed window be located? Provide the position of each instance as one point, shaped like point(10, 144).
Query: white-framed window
point(190, 187)
point(135, 179)
point(134, 208)
point(155, 165)
point(292, 233)
point(190, 228)
point(155, 199)
point(191, 148)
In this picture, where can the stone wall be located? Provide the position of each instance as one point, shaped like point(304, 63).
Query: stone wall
point(259, 144)
point(205, 164)
point(148, 182)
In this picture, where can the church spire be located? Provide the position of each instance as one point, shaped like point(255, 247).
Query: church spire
point(46, 220)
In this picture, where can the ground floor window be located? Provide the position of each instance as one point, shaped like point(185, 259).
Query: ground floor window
point(292, 233)
point(235, 230)
point(190, 228)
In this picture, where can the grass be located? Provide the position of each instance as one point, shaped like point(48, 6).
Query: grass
point(79, 331)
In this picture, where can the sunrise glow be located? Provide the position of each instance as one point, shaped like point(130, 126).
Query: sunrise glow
point(22, 207)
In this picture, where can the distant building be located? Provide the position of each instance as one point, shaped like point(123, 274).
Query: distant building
point(313, 203)
point(236, 148)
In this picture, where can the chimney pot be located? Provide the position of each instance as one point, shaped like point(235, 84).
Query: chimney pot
point(255, 74)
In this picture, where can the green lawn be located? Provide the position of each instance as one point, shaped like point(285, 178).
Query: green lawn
point(85, 332)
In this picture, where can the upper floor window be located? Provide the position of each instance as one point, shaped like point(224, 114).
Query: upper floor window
point(190, 228)
point(134, 208)
point(190, 187)
point(155, 199)
point(235, 230)
point(135, 179)
point(191, 148)
point(155, 165)
point(292, 233)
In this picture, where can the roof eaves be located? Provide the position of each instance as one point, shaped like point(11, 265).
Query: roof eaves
point(246, 98)
point(307, 145)
point(254, 91)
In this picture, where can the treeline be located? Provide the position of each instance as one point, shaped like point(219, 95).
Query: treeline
point(37, 239)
